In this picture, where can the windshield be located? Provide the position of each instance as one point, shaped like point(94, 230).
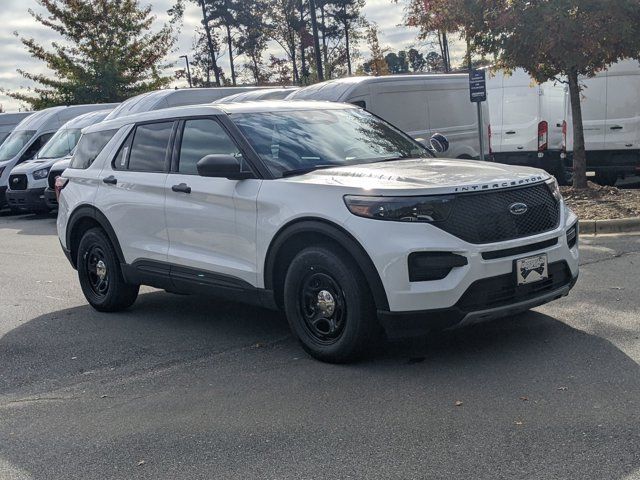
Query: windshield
point(292, 141)
point(14, 143)
point(3, 136)
point(60, 144)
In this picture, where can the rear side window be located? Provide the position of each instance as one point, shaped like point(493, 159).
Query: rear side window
point(89, 147)
point(149, 147)
point(199, 139)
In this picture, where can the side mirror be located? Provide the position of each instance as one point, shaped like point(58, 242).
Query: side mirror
point(222, 165)
point(439, 143)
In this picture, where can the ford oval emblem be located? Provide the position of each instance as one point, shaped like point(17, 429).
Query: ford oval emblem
point(518, 208)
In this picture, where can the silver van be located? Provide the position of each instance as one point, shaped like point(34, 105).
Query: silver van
point(31, 134)
point(28, 194)
point(421, 105)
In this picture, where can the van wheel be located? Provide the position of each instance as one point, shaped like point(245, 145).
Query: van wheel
point(100, 274)
point(329, 306)
point(565, 175)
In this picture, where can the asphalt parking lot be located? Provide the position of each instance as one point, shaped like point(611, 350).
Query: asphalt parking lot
point(189, 387)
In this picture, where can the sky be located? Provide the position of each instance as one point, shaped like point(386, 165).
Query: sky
point(16, 18)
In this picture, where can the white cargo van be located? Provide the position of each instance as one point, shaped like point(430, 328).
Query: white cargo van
point(421, 105)
point(526, 122)
point(262, 94)
point(150, 101)
point(27, 193)
point(611, 119)
point(32, 133)
point(8, 122)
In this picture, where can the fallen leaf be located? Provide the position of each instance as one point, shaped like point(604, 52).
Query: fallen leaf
point(458, 403)
point(562, 388)
point(517, 422)
point(141, 462)
point(524, 399)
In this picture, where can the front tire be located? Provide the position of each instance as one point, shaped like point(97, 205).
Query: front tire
point(329, 306)
point(100, 274)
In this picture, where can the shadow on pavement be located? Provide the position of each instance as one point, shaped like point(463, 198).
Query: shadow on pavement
point(198, 388)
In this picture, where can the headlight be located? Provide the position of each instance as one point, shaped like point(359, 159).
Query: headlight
point(555, 189)
point(40, 174)
point(401, 209)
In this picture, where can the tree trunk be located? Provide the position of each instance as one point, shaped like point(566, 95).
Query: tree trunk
point(579, 153)
point(445, 47)
point(303, 59)
point(346, 42)
point(212, 52)
point(316, 40)
point(325, 55)
point(230, 47)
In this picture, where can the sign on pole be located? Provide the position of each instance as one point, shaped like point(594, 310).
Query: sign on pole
point(477, 86)
point(478, 94)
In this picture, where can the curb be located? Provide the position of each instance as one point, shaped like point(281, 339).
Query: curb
point(621, 225)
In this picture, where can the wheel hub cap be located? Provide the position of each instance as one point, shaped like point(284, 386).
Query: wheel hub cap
point(326, 303)
point(101, 270)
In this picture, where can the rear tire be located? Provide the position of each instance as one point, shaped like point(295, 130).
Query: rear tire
point(329, 306)
point(100, 274)
point(607, 179)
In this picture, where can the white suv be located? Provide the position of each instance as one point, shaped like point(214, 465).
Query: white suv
point(320, 209)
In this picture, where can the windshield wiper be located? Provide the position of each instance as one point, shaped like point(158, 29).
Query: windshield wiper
point(302, 171)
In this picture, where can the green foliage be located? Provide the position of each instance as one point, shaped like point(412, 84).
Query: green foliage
point(108, 52)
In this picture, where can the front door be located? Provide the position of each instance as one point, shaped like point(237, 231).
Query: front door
point(211, 221)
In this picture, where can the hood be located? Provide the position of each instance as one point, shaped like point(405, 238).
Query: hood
point(432, 176)
point(33, 165)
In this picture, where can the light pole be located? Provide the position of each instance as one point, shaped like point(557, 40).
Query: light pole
point(186, 59)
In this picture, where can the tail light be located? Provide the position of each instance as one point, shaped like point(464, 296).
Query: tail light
point(543, 136)
point(564, 136)
point(59, 185)
point(490, 146)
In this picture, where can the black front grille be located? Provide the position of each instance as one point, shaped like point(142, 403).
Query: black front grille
point(503, 290)
point(484, 217)
point(51, 179)
point(18, 182)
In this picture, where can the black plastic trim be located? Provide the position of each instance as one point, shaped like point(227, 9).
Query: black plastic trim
point(509, 252)
point(336, 233)
point(430, 266)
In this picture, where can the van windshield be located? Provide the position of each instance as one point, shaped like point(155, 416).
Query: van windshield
point(295, 141)
point(15, 143)
point(60, 144)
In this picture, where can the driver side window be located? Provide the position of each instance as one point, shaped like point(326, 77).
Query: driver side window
point(200, 138)
point(35, 147)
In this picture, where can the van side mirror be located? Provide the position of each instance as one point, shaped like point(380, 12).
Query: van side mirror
point(439, 143)
point(223, 166)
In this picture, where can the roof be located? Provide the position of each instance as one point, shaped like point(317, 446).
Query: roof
point(87, 119)
point(263, 94)
point(13, 118)
point(217, 109)
point(338, 89)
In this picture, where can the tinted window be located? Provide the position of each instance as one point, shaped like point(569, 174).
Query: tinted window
point(149, 147)
point(89, 147)
point(199, 139)
point(294, 140)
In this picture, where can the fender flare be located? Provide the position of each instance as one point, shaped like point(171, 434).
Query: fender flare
point(89, 211)
point(337, 234)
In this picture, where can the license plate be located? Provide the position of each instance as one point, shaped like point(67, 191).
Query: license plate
point(532, 269)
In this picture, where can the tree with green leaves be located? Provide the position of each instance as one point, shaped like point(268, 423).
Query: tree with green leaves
point(558, 39)
point(252, 41)
point(108, 52)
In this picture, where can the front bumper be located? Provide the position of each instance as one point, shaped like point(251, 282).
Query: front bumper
point(28, 200)
point(464, 294)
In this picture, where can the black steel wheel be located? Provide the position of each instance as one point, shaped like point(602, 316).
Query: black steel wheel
point(100, 274)
point(329, 306)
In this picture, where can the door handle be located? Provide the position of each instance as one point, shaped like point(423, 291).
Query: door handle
point(110, 180)
point(616, 127)
point(510, 132)
point(181, 187)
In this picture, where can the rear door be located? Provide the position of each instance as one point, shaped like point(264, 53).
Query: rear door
point(132, 192)
point(211, 221)
point(594, 111)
